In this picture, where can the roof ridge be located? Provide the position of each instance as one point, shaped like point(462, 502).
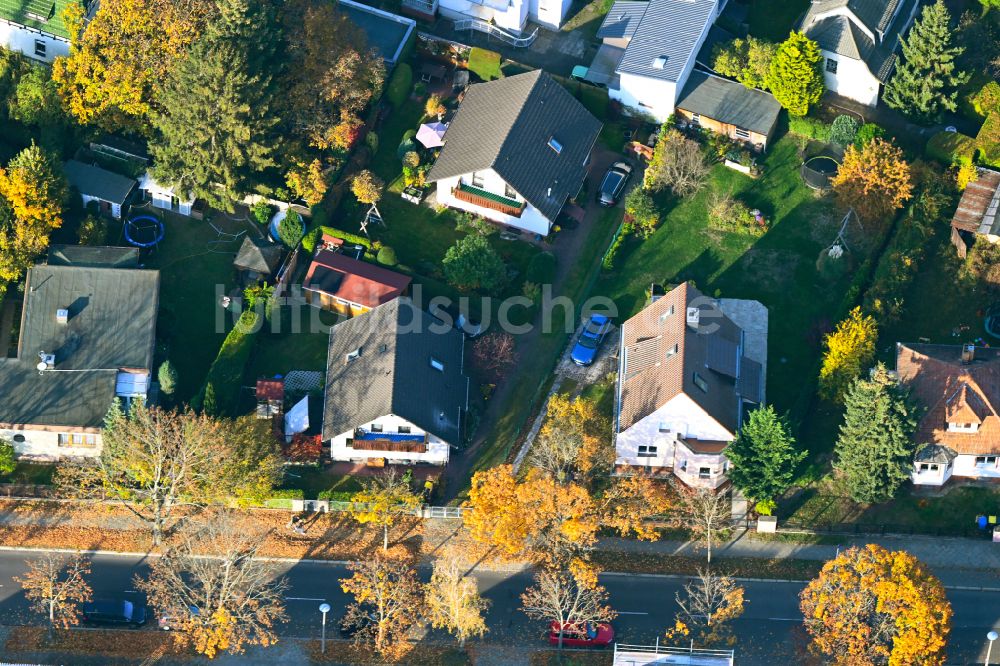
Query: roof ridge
point(520, 111)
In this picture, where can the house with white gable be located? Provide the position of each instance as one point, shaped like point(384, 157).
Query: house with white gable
point(395, 387)
point(516, 151)
point(690, 368)
point(958, 387)
point(36, 28)
point(859, 40)
point(648, 51)
point(507, 19)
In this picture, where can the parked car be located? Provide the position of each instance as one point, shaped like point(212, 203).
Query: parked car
point(614, 183)
point(114, 612)
point(586, 635)
point(589, 343)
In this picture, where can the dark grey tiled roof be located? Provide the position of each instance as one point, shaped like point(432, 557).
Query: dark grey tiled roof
point(874, 14)
point(506, 125)
point(112, 325)
point(936, 453)
point(669, 33)
point(93, 257)
point(841, 35)
point(729, 102)
point(97, 182)
point(622, 19)
point(258, 254)
point(392, 373)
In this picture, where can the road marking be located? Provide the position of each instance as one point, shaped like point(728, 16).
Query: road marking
point(785, 619)
point(631, 613)
point(304, 599)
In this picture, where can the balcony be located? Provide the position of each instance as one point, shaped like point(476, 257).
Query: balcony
point(366, 440)
point(484, 199)
point(421, 8)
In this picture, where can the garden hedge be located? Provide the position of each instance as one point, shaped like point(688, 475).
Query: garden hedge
point(951, 148)
point(227, 370)
point(400, 84)
point(811, 128)
point(310, 240)
point(988, 140)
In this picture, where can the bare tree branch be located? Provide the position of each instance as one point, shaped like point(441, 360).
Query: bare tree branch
point(55, 586)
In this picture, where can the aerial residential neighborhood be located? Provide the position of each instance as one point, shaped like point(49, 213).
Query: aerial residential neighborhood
point(593, 332)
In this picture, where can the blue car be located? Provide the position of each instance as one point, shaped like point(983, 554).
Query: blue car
point(589, 342)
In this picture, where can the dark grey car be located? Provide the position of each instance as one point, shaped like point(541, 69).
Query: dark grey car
point(614, 183)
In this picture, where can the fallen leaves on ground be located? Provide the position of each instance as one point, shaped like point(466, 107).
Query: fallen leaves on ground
point(108, 643)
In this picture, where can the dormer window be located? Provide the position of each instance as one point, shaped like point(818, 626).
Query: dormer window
point(963, 427)
point(437, 365)
point(660, 62)
point(352, 355)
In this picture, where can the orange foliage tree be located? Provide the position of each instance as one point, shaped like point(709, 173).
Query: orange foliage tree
point(55, 586)
point(874, 606)
point(388, 602)
point(874, 180)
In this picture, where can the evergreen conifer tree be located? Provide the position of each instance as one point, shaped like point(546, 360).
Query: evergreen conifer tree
point(795, 78)
point(763, 456)
point(926, 82)
point(875, 447)
point(216, 132)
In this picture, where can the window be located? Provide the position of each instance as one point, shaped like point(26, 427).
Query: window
point(700, 382)
point(509, 192)
point(77, 439)
point(376, 427)
point(437, 365)
point(403, 430)
point(704, 472)
point(928, 467)
point(667, 313)
point(664, 426)
point(672, 351)
point(351, 355)
point(684, 465)
point(18, 439)
point(696, 119)
point(477, 179)
point(555, 145)
point(831, 65)
point(986, 460)
point(742, 134)
point(40, 48)
point(647, 451)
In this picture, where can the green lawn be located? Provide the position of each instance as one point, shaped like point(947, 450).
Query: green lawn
point(314, 480)
point(298, 342)
point(773, 20)
point(194, 266)
point(778, 269)
point(30, 473)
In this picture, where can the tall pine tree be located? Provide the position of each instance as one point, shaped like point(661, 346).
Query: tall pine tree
point(875, 446)
point(763, 456)
point(216, 132)
point(926, 82)
point(795, 78)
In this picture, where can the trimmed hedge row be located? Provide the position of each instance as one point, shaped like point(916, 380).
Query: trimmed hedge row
point(225, 376)
point(811, 128)
point(951, 148)
point(311, 239)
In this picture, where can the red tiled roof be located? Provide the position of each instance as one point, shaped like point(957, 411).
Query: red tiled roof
point(352, 280)
point(270, 389)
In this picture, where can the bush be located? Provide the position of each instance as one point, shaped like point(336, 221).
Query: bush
point(225, 376)
point(336, 495)
point(988, 140)
point(951, 148)
point(542, 268)
point(311, 240)
point(387, 256)
point(866, 133)
point(400, 84)
point(987, 100)
point(642, 213)
point(261, 212)
point(809, 127)
point(8, 457)
point(93, 230)
point(844, 130)
point(608, 262)
point(485, 64)
point(472, 264)
point(726, 213)
point(290, 229)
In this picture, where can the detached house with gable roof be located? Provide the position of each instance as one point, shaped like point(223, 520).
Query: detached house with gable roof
point(36, 28)
point(690, 367)
point(859, 40)
point(958, 386)
point(517, 150)
point(395, 387)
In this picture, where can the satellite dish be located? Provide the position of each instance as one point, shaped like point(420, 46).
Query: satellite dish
point(42, 366)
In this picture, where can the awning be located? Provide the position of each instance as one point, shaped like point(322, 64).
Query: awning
point(602, 69)
point(431, 135)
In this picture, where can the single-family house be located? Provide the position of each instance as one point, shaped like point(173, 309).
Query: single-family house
point(516, 151)
point(86, 336)
point(690, 367)
point(859, 40)
point(395, 387)
point(257, 259)
point(349, 286)
point(649, 49)
point(36, 28)
point(510, 16)
point(728, 107)
point(976, 215)
point(958, 386)
point(163, 197)
point(110, 190)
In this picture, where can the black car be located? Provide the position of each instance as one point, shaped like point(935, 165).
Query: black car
point(614, 183)
point(114, 612)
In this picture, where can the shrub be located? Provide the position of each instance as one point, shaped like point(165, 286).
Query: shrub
point(642, 212)
point(225, 376)
point(336, 495)
point(844, 130)
point(93, 230)
point(866, 133)
point(167, 376)
point(303, 449)
point(399, 84)
point(371, 140)
point(261, 212)
point(988, 140)
point(726, 213)
point(987, 100)
point(951, 148)
point(290, 229)
point(485, 64)
point(387, 256)
point(472, 263)
point(8, 457)
point(810, 128)
point(311, 239)
point(542, 268)
point(411, 159)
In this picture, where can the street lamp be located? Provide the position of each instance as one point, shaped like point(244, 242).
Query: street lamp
point(992, 636)
point(324, 608)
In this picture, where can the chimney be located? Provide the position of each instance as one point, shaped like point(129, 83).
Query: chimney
point(62, 315)
point(693, 317)
point(968, 353)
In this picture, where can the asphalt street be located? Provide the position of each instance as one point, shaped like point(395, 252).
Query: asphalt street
point(769, 631)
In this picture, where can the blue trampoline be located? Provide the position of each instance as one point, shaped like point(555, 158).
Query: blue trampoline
point(144, 231)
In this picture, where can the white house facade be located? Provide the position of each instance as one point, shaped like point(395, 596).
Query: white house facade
point(687, 374)
point(392, 438)
point(517, 150)
point(859, 40)
point(32, 42)
point(509, 15)
point(163, 197)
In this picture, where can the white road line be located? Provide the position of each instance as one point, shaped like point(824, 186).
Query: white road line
point(304, 599)
point(785, 619)
point(631, 613)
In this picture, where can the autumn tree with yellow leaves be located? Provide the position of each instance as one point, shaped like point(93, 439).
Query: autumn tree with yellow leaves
point(708, 605)
point(849, 350)
point(874, 180)
point(572, 599)
point(874, 606)
point(56, 585)
point(574, 440)
point(382, 500)
point(452, 600)
point(388, 602)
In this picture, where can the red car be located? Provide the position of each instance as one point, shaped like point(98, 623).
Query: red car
point(585, 635)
